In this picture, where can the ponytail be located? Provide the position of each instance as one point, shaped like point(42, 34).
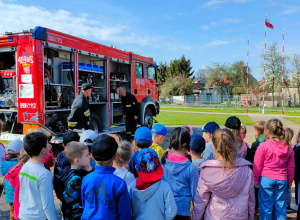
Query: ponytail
point(224, 143)
point(275, 126)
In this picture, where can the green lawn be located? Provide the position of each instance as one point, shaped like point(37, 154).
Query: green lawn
point(195, 109)
point(296, 120)
point(175, 118)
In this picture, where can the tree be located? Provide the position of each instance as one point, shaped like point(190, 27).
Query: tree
point(273, 70)
point(179, 67)
point(229, 78)
point(295, 63)
point(162, 72)
point(178, 85)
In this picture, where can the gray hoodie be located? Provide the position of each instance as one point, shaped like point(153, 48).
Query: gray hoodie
point(156, 202)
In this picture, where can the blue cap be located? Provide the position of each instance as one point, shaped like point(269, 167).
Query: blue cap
point(197, 143)
point(160, 129)
point(210, 127)
point(143, 135)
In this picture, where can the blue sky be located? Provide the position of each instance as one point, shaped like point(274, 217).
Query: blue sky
point(207, 32)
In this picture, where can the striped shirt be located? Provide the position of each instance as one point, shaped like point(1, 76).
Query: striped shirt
point(36, 193)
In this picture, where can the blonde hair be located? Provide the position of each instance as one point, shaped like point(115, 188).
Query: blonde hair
point(275, 127)
point(259, 126)
point(237, 136)
point(105, 163)
point(243, 129)
point(24, 157)
point(298, 136)
point(290, 133)
point(74, 150)
point(224, 143)
point(124, 152)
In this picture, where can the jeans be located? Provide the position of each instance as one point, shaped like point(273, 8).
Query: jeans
point(272, 198)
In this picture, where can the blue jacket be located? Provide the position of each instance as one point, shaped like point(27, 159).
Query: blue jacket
point(60, 164)
point(104, 195)
point(132, 163)
point(9, 189)
point(209, 152)
point(156, 202)
point(183, 179)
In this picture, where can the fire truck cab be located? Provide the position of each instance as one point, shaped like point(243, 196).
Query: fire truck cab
point(43, 71)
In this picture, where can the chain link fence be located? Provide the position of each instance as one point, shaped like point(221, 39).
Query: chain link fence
point(239, 102)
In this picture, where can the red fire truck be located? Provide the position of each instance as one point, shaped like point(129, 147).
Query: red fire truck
point(43, 71)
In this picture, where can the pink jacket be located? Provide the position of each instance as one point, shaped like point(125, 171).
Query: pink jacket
point(274, 161)
point(15, 182)
point(224, 195)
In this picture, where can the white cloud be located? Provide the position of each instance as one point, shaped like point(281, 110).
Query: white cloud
point(214, 4)
point(215, 43)
point(226, 20)
point(204, 27)
point(17, 17)
point(291, 10)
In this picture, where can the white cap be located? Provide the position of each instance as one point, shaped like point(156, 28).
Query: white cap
point(88, 134)
point(15, 146)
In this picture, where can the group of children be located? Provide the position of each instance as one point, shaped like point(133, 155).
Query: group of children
point(206, 176)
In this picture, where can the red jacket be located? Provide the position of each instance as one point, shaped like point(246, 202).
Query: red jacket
point(49, 161)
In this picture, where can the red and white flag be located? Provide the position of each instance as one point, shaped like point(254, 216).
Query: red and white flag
point(268, 24)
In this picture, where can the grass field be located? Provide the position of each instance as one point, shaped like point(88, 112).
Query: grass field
point(194, 109)
point(296, 120)
point(176, 118)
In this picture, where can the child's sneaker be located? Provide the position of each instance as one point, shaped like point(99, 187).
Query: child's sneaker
point(294, 207)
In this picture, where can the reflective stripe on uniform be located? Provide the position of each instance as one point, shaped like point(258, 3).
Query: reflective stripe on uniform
point(72, 124)
point(128, 132)
point(128, 106)
point(87, 113)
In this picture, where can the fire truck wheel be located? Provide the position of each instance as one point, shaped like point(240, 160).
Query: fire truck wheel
point(96, 122)
point(148, 118)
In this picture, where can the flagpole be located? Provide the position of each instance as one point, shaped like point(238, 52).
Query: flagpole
point(282, 111)
point(247, 73)
point(264, 82)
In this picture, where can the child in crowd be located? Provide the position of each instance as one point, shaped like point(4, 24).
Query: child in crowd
point(207, 132)
point(243, 132)
point(149, 192)
point(274, 171)
point(297, 164)
point(36, 191)
point(142, 139)
point(13, 150)
point(2, 150)
point(49, 161)
point(124, 153)
point(289, 192)
point(159, 132)
point(78, 156)
point(197, 148)
point(87, 138)
point(259, 130)
point(179, 172)
point(13, 177)
point(105, 195)
point(61, 160)
point(233, 123)
point(225, 187)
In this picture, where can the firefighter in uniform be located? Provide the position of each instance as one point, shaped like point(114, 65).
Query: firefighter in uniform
point(130, 111)
point(80, 110)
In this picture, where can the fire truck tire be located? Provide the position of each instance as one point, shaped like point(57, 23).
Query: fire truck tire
point(148, 118)
point(96, 122)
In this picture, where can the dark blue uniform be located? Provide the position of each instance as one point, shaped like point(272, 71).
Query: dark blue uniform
point(80, 113)
point(130, 109)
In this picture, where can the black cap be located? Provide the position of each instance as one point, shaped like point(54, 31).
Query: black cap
point(104, 147)
point(70, 136)
point(233, 122)
point(86, 86)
